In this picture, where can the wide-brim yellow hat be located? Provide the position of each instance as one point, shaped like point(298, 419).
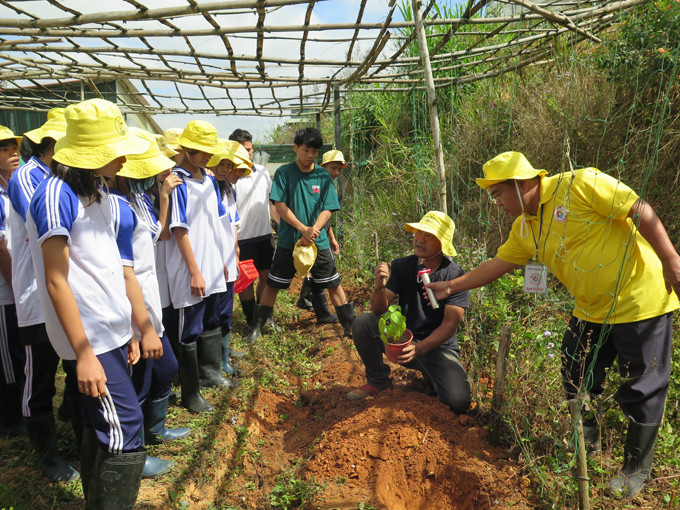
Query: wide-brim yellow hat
point(334, 156)
point(164, 147)
point(96, 134)
point(234, 152)
point(304, 257)
point(439, 225)
point(171, 136)
point(7, 134)
point(54, 127)
point(149, 163)
point(199, 135)
point(505, 166)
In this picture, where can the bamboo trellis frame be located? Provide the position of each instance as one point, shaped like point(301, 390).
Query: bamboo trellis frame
point(224, 57)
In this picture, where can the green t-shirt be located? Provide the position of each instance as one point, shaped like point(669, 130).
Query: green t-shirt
point(307, 195)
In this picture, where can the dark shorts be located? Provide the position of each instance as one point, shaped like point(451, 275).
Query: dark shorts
point(324, 272)
point(261, 252)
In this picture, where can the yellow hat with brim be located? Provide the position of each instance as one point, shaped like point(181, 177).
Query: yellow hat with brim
point(171, 136)
point(54, 127)
point(334, 155)
point(506, 166)
point(234, 152)
point(7, 134)
point(164, 147)
point(199, 135)
point(149, 163)
point(304, 257)
point(439, 225)
point(96, 134)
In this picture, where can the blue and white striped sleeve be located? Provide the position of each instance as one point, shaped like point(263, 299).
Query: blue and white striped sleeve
point(144, 208)
point(21, 187)
point(124, 224)
point(178, 207)
point(221, 211)
point(3, 217)
point(54, 208)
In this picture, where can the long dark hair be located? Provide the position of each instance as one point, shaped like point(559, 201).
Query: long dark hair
point(83, 182)
point(29, 148)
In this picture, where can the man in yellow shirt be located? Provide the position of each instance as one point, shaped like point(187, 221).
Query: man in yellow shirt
point(611, 251)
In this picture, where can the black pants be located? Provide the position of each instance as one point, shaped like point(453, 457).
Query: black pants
point(643, 350)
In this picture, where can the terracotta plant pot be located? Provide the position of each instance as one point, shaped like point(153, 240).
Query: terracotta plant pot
point(393, 351)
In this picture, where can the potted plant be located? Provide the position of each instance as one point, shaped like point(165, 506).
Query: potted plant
point(392, 328)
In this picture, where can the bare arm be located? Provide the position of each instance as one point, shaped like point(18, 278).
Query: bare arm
point(381, 297)
point(182, 238)
point(482, 275)
point(335, 246)
point(273, 213)
point(90, 373)
point(654, 232)
point(452, 316)
point(5, 262)
point(152, 348)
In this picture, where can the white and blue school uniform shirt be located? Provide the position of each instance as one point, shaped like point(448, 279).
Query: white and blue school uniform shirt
point(22, 185)
point(6, 296)
point(144, 207)
point(230, 222)
point(95, 272)
point(196, 205)
point(135, 244)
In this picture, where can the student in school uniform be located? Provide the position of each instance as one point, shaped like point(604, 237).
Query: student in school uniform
point(153, 374)
point(229, 164)
point(11, 354)
point(41, 360)
point(88, 298)
point(195, 263)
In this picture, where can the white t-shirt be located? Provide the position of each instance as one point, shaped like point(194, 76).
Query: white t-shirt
point(95, 272)
point(135, 244)
point(252, 200)
point(22, 185)
point(196, 205)
point(230, 222)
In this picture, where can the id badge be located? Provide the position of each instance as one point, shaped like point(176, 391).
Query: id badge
point(535, 278)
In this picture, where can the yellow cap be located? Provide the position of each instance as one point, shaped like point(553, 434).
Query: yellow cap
point(234, 152)
point(304, 257)
point(199, 135)
point(505, 166)
point(164, 147)
point(96, 134)
point(439, 225)
point(54, 127)
point(333, 156)
point(149, 163)
point(7, 134)
point(172, 137)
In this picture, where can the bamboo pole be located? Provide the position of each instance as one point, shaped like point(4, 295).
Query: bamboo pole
point(499, 384)
point(575, 406)
point(431, 103)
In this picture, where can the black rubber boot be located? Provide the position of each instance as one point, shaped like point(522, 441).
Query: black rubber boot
point(43, 436)
point(248, 306)
point(262, 313)
point(226, 351)
point(210, 361)
point(188, 376)
point(10, 418)
point(155, 413)
point(637, 463)
point(115, 481)
point(88, 454)
point(323, 314)
point(305, 300)
point(346, 317)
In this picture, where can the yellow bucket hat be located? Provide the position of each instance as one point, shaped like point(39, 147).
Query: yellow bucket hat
point(439, 225)
point(54, 127)
point(334, 156)
point(199, 135)
point(505, 166)
point(96, 134)
point(164, 147)
point(171, 136)
point(234, 152)
point(304, 257)
point(7, 134)
point(147, 164)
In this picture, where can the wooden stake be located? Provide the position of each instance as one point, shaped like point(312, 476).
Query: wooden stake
point(499, 383)
point(575, 406)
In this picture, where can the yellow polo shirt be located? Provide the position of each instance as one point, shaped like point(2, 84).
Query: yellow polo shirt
point(588, 243)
